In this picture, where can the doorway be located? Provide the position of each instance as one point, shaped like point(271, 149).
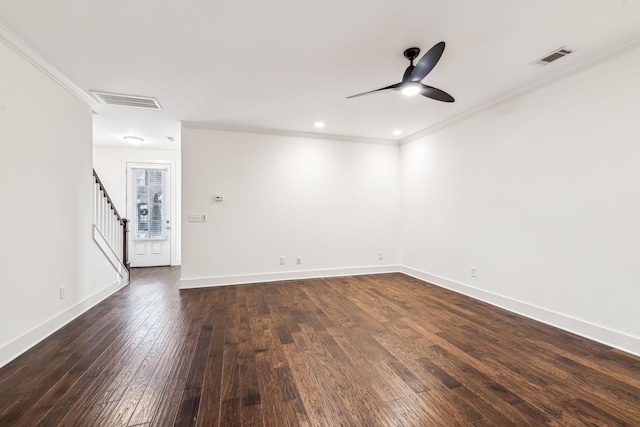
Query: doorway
point(148, 208)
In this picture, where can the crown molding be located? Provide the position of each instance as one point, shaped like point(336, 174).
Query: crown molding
point(282, 132)
point(600, 57)
point(27, 52)
point(604, 55)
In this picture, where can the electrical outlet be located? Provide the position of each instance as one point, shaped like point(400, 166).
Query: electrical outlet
point(204, 217)
point(380, 255)
point(298, 259)
point(281, 260)
point(195, 218)
point(63, 292)
point(473, 272)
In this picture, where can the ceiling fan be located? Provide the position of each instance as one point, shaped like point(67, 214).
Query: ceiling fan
point(411, 83)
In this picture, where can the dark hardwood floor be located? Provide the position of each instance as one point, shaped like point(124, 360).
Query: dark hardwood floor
point(381, 350)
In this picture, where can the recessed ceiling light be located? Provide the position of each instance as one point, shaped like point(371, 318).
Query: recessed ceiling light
point(319, 124)
point(133, 140)
point(397, 132)
point(411, 89)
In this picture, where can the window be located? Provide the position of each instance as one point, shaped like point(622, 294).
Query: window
point(149, 184)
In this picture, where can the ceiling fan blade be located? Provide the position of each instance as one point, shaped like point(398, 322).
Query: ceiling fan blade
point(437, 94)
point(407, 73)
point(395, 86)
point(427, 62)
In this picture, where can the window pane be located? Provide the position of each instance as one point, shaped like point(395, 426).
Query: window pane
point(142, 194)
point(149, 203)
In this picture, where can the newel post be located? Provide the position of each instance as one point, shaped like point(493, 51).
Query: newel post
point(125, 235)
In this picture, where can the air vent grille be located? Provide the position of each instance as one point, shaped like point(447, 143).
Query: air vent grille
point(553, 56)
point(128, 100)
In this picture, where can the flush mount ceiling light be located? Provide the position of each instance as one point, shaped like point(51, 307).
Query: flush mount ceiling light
point(397, 132)
point(133, 140)
point(319, 124)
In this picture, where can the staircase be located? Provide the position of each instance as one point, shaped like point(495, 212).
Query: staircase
point(110, 229)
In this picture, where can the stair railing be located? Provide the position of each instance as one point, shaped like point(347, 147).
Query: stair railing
point(113, 227)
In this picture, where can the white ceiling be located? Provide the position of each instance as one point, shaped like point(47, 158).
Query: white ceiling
point(284, 64)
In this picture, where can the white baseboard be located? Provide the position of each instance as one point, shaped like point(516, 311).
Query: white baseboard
point(601, 334)
point(15, 348)
point(203, 282)
point(622, 341)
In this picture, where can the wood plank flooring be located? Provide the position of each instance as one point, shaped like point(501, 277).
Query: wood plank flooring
point(379, 350)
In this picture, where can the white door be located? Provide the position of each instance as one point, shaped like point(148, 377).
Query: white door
point(148, 209)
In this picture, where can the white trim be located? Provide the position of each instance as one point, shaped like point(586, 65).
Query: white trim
point(283, 132)
point(18, 346)
point(204, 282)
point(150, 164)
point(38, 61)
point(601, 334)
point(593, 60)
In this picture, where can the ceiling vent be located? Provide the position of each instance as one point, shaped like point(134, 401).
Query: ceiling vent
point(128, 100)
point(553, 56)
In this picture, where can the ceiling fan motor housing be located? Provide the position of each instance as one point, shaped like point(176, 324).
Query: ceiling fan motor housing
point(412, 53)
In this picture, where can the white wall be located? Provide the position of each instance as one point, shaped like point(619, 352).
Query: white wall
point(335, 203)
point(46, 188)
point(542, 196)
point(111, 165)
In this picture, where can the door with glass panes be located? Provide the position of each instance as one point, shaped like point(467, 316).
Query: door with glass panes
point(148, 211)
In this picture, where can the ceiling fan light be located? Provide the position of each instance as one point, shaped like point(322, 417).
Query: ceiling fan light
point(411, 89)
